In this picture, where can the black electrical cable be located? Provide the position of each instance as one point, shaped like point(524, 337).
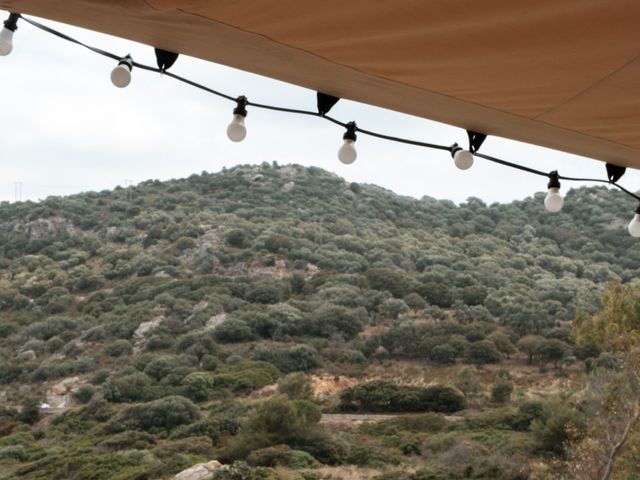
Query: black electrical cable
point(316, 114)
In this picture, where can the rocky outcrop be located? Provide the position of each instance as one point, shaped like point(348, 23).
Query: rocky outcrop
point(145, 327)
point(199, 471)
point(42, 228)
point(214, 321)
point(59, 396)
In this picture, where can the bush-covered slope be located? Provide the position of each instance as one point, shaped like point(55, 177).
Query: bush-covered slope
point(162, 304)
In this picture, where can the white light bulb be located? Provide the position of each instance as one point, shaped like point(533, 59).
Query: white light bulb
point(121, 76)
point(347, 153)
point(463, 159)
point(6, 41)
point(634, 226)
point(236, 131)
point(553, 202)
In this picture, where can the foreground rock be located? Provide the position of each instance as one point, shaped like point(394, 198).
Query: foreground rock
point(198, 471)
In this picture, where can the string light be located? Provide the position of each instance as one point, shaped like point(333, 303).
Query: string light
point(634, 224)
point(121, 74)
point(237, 131)
point(347, 153)
point(553, 202)
point(463, 159)
point(6, 34)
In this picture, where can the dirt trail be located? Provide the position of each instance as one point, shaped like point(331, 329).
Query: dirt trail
point(353, 418)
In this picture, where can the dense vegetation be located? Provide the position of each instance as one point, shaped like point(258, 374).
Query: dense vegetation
point(171, 310)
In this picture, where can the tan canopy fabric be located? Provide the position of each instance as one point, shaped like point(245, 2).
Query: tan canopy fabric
point(563, 74)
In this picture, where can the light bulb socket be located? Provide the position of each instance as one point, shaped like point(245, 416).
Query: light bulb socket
point(637, 210)
point(241, 106)
point(127, 62)
point(350, 134)
point(455, 148)
point(11, 23)
point(554, 180)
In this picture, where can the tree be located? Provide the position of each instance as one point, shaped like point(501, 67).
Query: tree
point(279, 421)
point(612, 402)
point(30, 412)
point(474, 294)
point(481, 352)
point(329, 319)
point(553, 350)
point(415, 301)
point(444, 353)
point(233, 330)
point(530, 344)
point(556, 428)
point(158, 415)
point(502, 343)
point(501, 390)
point(394, 281)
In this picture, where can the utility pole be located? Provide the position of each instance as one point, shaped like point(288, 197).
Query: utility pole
point(128, 183)
point(17, 191)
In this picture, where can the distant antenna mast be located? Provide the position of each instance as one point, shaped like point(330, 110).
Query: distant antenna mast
point(17, 191)
point(128, 183)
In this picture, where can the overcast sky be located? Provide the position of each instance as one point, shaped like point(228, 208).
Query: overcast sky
point(66, 129)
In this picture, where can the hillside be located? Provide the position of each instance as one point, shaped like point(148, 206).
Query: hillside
point(163, 325)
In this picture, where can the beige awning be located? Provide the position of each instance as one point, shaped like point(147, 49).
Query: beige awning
point(563, 74)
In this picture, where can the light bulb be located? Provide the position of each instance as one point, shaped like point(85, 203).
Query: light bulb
point(347, 153)
point(553, 202)
point(634, 226)
point(463, 159)
point(121, 75)
point(6, 41)
point(236, 131)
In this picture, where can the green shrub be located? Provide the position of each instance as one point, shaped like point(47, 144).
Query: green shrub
point(444, 353)
point(383, 396)
point(51, 327)
point(481, 352)
point(118, 348)
point(244, 376)
point(234, 330)
point(501, 391)
point(281, 455)
point(85, 393)
point(134, 387)
point(236, 238)
point(297, 358)
point(279, 421)
point(160, 415)
point(129, 439)
point(551, 431)
point(296, 386)
point(264, 293)
point(430, 422)
point(14, 452)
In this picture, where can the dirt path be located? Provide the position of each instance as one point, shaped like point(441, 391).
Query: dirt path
point(353, 418)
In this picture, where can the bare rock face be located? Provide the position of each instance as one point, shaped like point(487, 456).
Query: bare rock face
point(27, 355)
point(198, 471)
point(42, 228)
point(287, 187)
point(59, 396)
point(216, 320)
point(145, 327)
